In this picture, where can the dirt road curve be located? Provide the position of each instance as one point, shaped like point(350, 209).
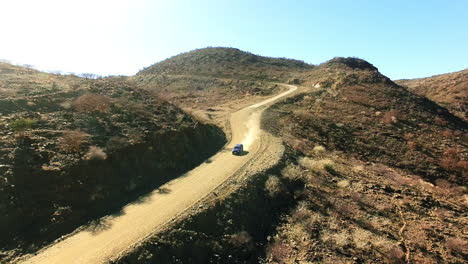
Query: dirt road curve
point(119, 233)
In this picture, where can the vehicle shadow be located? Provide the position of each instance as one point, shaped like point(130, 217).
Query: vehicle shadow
point(243, 153)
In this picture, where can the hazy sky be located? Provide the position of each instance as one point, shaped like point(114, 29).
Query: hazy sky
point(404, 39)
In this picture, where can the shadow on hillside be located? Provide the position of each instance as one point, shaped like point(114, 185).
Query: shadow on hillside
point(102, 224)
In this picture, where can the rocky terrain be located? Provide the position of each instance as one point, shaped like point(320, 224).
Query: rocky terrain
point(74, 149)
point(372, 174)
point(449, 90)
point(383, 172)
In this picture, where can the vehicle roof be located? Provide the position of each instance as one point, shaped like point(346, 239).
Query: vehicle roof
point(238, 145)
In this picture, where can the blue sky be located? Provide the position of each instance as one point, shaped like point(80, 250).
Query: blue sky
point(404, 39)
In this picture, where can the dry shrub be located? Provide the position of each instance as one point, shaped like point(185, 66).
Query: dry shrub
point(395, 254)
point(447, 133)
point(413, 145)
point(274, 186)
point(318, 149)
point(343, 183)
point(292, 172)
point(449, 163)
point(420, 258)
point(95, 153)
point(301, 213)
point(361, 238)
point(88, 103)
point(450, 159)
point(401, 180)
point(278, 251)
point(391, 116)
point(408, 136)
point(443, 183)
point(356, 197)
point(456, 244)
point(417, 236)
point(303, 115)
point(300, 145)
point(316, 165)
point(462, 165)
point(451, 152)
point(442, 213)
point(457, 133)
point(347, 209)
point(340, 239)
point(241, 240)
point(439, 121)
point(71, 141)
point(308, 220)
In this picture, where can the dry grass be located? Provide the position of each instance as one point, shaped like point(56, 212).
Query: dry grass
point(241, 240)
point(89, 103)
point(274, 186)
point(95, 153)
point(457, 245)
point(278, 251)
point(395, 254)
point(71, 141)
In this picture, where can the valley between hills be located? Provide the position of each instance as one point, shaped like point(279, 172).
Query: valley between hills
point(342, 164)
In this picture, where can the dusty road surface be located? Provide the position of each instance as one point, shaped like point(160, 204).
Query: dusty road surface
point(117, 234)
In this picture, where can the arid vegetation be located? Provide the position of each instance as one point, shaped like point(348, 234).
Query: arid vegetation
point(372, 173)
point(389, 186)
point(449, 90)
point(75, 149)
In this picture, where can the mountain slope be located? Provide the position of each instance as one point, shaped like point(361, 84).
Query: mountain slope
point(201, 78)
point(360, 111)
point(449, 90)
point(226, 63)
point(382, 172)
point(74, 149)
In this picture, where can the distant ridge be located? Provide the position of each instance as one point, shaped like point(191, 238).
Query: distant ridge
point(449, 90)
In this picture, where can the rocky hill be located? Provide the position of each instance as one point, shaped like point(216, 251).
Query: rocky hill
point(383, 172)
point(227, 63)
point(73, 149)
point(372, 174)
point(449, 90)
point(199, 78)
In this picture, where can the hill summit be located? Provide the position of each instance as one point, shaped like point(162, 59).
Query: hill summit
point(228, 63)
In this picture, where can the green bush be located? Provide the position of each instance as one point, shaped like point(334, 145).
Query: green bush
point(22, 124)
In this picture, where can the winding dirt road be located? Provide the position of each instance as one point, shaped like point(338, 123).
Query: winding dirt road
point(138, 220)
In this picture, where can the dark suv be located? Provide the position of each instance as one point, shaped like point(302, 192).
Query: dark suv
point(238, 149)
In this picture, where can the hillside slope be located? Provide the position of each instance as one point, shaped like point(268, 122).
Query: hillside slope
point(383, 172)
point(372, 174)
point(201, 78)
point(226, 63)
point(75, 149)
point(449, 90)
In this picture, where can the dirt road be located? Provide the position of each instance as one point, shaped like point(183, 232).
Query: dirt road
point(117, 234)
